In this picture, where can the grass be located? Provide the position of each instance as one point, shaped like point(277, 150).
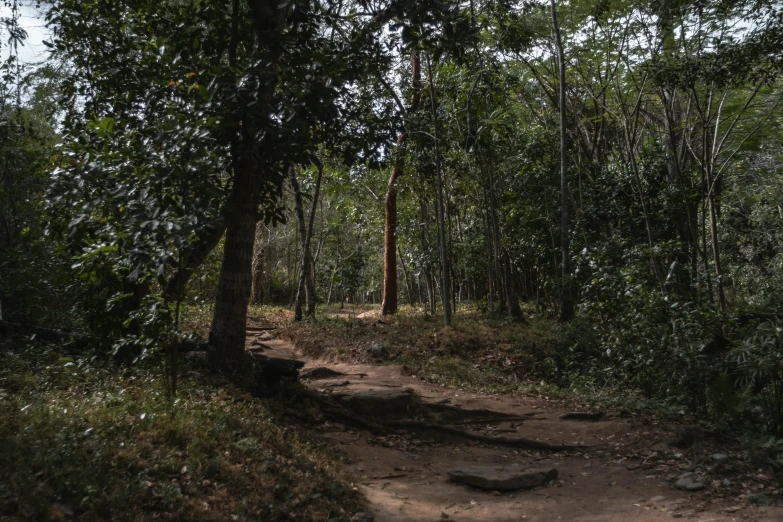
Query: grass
point(479, 353)
point(84, 441)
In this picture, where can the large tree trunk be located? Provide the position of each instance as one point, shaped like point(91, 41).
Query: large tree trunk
point(566, 297)
point(227, 336)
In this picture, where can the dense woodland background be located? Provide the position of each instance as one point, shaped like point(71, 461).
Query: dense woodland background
point(181, 158)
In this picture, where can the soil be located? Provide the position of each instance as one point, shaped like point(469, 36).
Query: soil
point(405, 477)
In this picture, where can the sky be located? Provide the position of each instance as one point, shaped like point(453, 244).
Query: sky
point(32, 20)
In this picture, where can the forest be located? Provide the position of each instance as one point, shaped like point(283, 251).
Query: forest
point(338, 260)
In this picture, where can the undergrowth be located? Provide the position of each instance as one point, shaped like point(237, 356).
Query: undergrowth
point(483, 353)
point(84, 441)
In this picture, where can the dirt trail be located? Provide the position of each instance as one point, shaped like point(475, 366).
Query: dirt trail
point(405, 478)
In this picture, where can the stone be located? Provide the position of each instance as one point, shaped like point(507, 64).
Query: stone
point(688, 484)
point(632, 467)
point(683, 483)
point(376, 348)
point(265, 336)
point(726, 483)
point(719, 457)
point(362, 516)
point(501, 478)
point(386, 403)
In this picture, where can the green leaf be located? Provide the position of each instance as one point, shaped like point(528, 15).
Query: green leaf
point(107, 124)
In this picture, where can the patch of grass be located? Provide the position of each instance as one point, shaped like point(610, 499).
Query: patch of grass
point(83, 441)
point(480, 353)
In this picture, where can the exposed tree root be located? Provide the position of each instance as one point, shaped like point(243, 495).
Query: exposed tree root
point(503, 441)
point(260, 328)
point(322, 372)
point(276, 365)
point(494, 420)
point(331, 408)
point(583, 415)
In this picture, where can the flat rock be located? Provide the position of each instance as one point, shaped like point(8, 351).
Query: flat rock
point(501, 478)
point(321, 372)
point(383, 403)
point(683, 483)
point(689, 484)
point(583, 415)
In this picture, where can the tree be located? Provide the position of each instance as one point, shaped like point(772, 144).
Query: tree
point(222, 79)
point(389, 304)
point(445, 258)
point(566, 296)
point(306, 285)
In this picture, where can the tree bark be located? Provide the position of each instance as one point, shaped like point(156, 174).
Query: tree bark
point(566, 297)
point(390, 290)
point(714, 239)
point(258, 270)
point(311, 295)
point(306, 281)
point(409, 290)
point(227, 335)
point(304, 272)
point(389, 305)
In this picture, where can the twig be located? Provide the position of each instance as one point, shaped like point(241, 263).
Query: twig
point(389, 476)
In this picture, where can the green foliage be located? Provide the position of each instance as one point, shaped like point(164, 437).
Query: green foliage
point(78, 437)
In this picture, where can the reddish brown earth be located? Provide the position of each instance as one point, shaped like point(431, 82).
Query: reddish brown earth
point(405, 479)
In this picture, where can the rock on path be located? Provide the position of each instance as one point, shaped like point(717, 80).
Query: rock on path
point(501, 478)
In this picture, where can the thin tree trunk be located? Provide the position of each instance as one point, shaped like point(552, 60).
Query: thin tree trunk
point(389, 305)
point(390, 291)
point(445, 262)
point(304, 273)
point(407, 281)
point(714, 239)
point(566, 297)
point(311, 296)
point(258, 270)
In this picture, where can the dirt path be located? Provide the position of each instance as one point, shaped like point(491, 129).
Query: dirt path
point(626, 474)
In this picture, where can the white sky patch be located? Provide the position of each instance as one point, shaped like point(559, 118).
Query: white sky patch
point(33, 21)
